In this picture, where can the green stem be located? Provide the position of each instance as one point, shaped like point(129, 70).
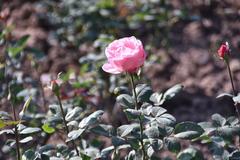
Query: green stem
point(233, 88)
point(65, 123)
point(16, 134)
point(139, 118)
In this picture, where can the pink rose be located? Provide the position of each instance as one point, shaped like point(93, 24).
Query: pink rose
point(124, 55)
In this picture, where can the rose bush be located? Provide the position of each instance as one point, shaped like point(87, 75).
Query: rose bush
point(124, 55)
point(150, 130)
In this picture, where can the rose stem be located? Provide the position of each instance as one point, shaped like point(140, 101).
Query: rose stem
point(16, 133)
point(65, 123)
point(233, 88)
point(139, 118)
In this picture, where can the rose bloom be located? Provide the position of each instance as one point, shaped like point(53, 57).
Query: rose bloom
point(124, 55)
point(223, 50)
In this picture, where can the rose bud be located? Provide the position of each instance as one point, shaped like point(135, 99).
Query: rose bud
point(224, 51)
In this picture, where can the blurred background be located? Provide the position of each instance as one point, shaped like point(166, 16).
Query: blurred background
point(181, 38)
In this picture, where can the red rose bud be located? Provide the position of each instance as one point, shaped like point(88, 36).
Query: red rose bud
point(223, 51)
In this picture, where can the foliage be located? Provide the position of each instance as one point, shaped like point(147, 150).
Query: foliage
point(31, 123)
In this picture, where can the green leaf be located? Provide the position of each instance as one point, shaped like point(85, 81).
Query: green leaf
point(173, 144)
point(8, 123)
point(106, 151)
point(4, 115)
point(150, 151)
point(166, 119)
point(152, 132)
point(233, 121)
point(217, 146)
point(236, 99)
point(37, 53)
point(30, 130)
point(2, 124)
point(27, 139)
point(118, 141)
point(46, 148)
point(91, 119)
point(125, 130)
point(13, 51)
point(225, 95)
point(158, 111)
point(190, 154)
point(125, 100)
point(104, 130)
point(170, 93)
point(7, 131)
point(157, 144)
point(121, 90)
point(207, 126)
point(73, 113)
point(75, 134)
point(46, 128)
point(228, 131)
point(85, 157)
point(29, 155)
point(188, 130)
point(218, 120)
point(156, 98)
point(132, 113)
point(25, 106)
point(143, 92)
point(234, 155)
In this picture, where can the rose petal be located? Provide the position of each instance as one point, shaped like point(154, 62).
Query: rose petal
point(107, 67)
